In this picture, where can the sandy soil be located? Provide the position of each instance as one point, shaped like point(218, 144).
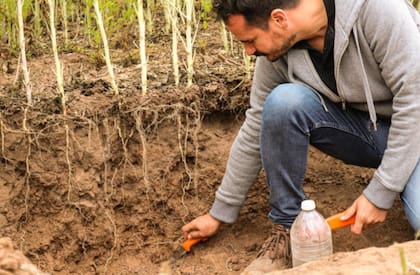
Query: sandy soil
point(106, 188)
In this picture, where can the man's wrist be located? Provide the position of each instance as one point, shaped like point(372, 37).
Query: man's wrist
point(223, 212)
point(379, 195)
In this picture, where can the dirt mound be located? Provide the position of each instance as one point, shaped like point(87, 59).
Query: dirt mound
point(400, 258)
point(13, 262)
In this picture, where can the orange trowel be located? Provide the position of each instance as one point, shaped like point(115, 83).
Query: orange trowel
point(335, 222)
point(187, 246)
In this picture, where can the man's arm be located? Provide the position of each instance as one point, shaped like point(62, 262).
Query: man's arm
point(244, 161)
point(394, 38)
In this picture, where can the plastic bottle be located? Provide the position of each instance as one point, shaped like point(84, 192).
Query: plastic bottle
point(310, 235)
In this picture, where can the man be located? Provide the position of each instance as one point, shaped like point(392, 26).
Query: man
point(343, 76)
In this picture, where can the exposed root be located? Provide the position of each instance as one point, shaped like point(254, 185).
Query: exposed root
point(69, 167)
point(197, 128)
point(140, 130)
point(106, 153)
point(2, 138)
point(126, 159)
point(183, 158)
point(110, 192)
point(182, 144)
point(115, 238)
point(27, 164)
point(2, 135)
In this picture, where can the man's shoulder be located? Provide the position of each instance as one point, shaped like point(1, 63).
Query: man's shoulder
point(349, 12)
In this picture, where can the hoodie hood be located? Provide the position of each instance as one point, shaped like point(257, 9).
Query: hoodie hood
point(349, 12)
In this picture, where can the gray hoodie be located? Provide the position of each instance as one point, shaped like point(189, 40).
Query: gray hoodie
point(377, 69)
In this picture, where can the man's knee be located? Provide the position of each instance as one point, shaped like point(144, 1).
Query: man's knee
point(286, 101)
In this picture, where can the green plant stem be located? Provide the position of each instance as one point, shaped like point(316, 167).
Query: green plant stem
point(64, 20)
point(25, 70)
point(189, 39)
point(106, 47)
point(58, 66)
point(142, 45)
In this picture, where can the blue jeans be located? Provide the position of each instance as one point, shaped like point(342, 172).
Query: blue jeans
point(293, 118)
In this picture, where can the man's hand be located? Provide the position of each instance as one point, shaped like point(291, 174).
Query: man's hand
point(201, 227)
point(366, 213)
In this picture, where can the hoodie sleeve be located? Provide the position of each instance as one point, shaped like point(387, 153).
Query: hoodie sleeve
point(244, 161)
point(392, 29)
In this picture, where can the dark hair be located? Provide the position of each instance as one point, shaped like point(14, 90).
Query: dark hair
point(256, 12)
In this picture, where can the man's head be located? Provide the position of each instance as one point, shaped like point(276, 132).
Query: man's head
point(256, 12)
point(263, 26)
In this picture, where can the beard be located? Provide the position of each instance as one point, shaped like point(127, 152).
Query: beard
point(281, 50)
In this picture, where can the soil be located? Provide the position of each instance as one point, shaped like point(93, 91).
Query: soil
point(105, 188)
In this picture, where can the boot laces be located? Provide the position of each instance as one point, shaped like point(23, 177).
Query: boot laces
point(278, 244)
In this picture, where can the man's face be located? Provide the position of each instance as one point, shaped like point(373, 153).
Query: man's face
point(272, 42)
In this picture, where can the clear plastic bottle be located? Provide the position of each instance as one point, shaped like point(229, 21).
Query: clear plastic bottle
point(310, 235)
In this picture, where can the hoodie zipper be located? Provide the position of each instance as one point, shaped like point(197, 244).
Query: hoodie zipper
point(368, 92)
point(337, 74)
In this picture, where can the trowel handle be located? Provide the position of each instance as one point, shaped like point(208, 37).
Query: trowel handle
point(187, 244)
point(335, 222)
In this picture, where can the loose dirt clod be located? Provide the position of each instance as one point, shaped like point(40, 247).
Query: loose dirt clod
point(14, 262)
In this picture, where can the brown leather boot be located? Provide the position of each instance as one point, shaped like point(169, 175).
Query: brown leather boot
point(274, 253)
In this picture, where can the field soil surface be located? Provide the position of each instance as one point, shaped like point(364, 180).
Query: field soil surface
point(106, 187)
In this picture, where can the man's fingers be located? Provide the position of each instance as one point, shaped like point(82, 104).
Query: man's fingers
point(191, 226)
point(357, 227)
point(350, 212)
point(201, 227)
point(188, 229)
point(194, 235)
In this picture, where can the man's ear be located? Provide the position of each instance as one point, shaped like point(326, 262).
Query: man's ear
point(279, 17)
